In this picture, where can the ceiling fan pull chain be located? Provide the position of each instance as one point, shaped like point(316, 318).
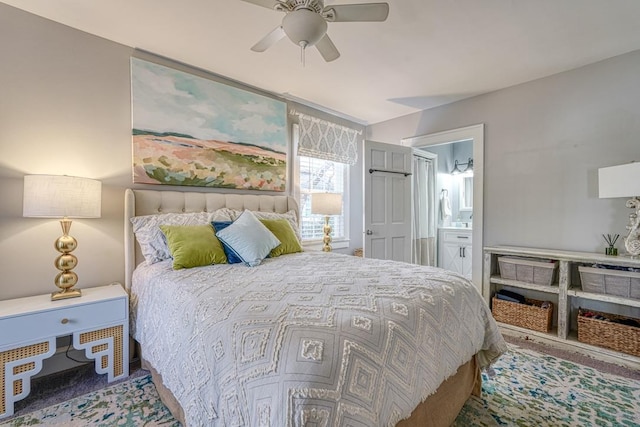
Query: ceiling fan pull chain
point(303, 45)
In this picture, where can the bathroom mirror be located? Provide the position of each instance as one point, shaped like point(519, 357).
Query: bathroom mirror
point(466, 193)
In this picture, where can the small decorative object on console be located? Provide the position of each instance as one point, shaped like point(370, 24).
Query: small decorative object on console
point(632, 241)
point(611, 241)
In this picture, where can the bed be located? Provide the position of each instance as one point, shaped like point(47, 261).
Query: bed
point(305, 338)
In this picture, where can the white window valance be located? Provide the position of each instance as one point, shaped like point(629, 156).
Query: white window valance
point(325, 140)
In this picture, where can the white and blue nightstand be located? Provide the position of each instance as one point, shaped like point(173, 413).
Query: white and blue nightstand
point(98, 323)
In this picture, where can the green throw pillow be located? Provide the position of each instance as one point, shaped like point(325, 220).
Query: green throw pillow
point(193, 245)
point(284, 232)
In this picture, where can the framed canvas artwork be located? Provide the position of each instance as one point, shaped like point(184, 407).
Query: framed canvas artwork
point(189, 130)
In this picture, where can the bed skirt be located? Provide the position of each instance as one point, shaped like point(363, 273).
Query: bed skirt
point(438, 410)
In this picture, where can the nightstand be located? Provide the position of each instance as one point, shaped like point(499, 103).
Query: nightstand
point(98, 323)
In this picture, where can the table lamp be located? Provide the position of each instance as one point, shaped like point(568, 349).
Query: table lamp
point(56, 196)
point(326, 204)
point(624, 181)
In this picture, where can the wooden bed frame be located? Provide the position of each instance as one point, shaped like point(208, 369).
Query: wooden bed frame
point(438, 410)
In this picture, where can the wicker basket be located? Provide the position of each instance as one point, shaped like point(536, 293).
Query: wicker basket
point(525, 270)
point(531, 317)
point(611, 282)
point(358, 252)
point(615, 336)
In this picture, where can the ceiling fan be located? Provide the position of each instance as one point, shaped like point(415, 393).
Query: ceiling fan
point(305, 22)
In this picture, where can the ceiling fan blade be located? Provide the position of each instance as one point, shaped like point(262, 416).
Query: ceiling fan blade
point(327, 49)
point(365, 12)
point(269, 40)
point(269, 4)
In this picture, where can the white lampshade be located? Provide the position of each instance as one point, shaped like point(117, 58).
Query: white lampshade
point(326, 203)
point(619, 181)
point(58, 196)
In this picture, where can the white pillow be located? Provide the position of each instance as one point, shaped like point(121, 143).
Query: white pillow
point(289, 216)
point(249, 239)
point(151, 239)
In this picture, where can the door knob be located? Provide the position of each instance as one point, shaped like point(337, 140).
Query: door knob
point(369, 232)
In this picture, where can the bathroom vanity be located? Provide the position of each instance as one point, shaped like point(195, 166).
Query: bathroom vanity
point(454, 250)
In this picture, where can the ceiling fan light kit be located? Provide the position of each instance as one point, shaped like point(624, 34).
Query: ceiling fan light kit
point(304, 26)
point(305, 23)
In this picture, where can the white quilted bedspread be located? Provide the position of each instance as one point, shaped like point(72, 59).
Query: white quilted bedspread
point(308, 339)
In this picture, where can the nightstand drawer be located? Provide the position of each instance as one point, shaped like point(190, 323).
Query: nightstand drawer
point(63, 321)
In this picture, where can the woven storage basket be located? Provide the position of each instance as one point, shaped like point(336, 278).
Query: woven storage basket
point(525, 270)
point(615, 336)
point(611, 282)
point(531, 317)
point(358, 252)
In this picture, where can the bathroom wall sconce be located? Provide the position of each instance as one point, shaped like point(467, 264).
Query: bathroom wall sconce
point(457, 167)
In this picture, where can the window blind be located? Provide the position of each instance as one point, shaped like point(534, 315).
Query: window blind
point(325, 140)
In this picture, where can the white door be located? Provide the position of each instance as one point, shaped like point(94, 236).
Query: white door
point(387, 201)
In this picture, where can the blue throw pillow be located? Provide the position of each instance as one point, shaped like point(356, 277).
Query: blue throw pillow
point(232, 258)
point(250, 239)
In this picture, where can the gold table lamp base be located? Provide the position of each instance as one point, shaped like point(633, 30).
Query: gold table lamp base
point(326, 247)
point(66, 279)
point(67, 293)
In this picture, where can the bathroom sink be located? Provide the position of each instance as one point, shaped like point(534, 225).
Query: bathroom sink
point(462, 224)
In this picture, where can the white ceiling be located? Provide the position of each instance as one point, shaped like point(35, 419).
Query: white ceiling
point(427, 53)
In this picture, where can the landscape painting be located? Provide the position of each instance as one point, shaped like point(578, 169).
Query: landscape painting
point(188, 130)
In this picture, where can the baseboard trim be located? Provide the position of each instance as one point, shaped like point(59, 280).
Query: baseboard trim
point(572, 345)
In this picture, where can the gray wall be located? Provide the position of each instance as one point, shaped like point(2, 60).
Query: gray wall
point(544, 142)
point(65, 108)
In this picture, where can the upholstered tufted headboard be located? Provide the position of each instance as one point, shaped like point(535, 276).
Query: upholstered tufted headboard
point(150, 202)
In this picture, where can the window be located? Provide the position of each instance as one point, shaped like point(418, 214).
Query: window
point(319, 176)
point(324, 152)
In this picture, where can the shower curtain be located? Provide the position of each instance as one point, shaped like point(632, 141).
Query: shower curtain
point(424, 212)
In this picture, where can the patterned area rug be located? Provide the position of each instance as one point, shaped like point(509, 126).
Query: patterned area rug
point(523, 388)
point(527, 388)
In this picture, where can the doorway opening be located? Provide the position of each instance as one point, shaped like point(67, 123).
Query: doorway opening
point(471, 139)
